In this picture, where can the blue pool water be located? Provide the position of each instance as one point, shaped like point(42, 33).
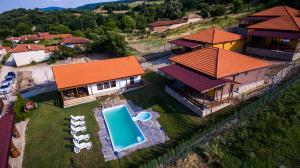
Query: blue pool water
point(124, 132)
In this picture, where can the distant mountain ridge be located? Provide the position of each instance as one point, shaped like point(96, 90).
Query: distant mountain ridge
point(91, 6)
point(51, 8)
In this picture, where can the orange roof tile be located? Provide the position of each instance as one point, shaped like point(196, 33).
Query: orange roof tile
point(74, 40)
point(27, 47)
point(218, 62)
point(278, 11)
point(289, 23)
point(79, 74)
point(214, 35)
point(54, 36)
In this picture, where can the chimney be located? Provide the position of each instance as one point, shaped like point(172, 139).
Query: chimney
point(28, 47)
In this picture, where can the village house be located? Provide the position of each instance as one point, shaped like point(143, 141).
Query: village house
point(267, 14)
point(206, 80)
point(84, 82)
point(37, 37)
point(164, 25)
point(26, 54)
point(275, 38)
point(2, 51)
point(212, 37)
point(73, 42)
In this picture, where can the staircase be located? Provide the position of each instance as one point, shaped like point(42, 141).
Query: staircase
point(120, 91)
point(77, 101)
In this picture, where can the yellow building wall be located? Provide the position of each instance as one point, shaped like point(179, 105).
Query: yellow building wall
point(232, 45)
point(211, 94)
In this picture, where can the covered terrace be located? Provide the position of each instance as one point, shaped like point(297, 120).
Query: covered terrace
point(181, 45)
point(274, 40)
point(198, 88)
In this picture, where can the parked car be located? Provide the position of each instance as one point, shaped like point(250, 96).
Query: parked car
point(12, 74)
point(9, 79)
point(5, 88)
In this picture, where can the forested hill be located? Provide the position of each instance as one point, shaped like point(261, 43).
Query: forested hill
point(91, 24)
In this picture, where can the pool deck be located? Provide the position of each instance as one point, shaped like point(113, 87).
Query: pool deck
point(151, 130)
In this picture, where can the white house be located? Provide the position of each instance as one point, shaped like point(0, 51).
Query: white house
point(25, 54)
point(2, 51)
point(83, 82)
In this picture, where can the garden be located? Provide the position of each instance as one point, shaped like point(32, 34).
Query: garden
point(49, 142)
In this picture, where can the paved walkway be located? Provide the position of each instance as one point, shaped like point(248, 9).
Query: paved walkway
point(151, 130)
point(20, 144)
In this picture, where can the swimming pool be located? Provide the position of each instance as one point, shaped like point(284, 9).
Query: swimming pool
point(124, 132)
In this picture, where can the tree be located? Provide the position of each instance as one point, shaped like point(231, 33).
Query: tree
point(64, 52)
point(238, 5)
point(218, 10)
point(59, 28)
point(78, 33)
point(205, 10)
point(115, 43)
point(128, 23)
point(141, 22)
point(23, 29)
point(172, 9)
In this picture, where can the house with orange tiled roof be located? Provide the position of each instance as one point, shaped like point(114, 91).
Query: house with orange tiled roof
point(267, 14)
point(212, 37)
point(278, 38)
point(84, 82)
point(73, 42)
point(208, 79)
point(25, 54)
point(164, 25)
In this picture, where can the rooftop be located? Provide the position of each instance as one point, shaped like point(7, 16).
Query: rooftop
point(278, 11)
point(167, 22)
point(6, 127)
point(197, 81)
point(74, 40)
point(287, 23)
point(218, 63)
point(213, 35)
point(27, 48)
point(72, 75)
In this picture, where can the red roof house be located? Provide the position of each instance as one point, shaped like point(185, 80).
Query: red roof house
point(85, 81)
point(213, 74)
point(213, 37)
point(270, 13)
point(277, 38)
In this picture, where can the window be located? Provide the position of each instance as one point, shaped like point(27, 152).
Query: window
point(246, 73)
point(112, 83)
point(106, 85)
point(132, 80)
point(100, 86)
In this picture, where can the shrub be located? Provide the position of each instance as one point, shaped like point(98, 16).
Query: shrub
point(18, 109)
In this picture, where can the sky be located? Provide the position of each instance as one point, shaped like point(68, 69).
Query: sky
point(6, 5)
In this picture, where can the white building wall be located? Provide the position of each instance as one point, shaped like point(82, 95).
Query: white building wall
point(26, 58)
point(120, 83)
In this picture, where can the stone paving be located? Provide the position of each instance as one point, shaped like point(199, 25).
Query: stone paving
point(151, 130)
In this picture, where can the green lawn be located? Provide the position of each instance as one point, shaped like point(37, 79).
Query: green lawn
point(48, 141)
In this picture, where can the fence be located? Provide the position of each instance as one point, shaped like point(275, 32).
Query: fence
point(203, 136)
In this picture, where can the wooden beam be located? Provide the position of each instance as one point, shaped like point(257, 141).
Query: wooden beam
point(222, 92)
point(62, 95)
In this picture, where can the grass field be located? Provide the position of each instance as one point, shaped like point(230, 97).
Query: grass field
point(48, 141)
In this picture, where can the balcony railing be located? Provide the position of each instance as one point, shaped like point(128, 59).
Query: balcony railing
point(184, 94)
point(284, 48)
